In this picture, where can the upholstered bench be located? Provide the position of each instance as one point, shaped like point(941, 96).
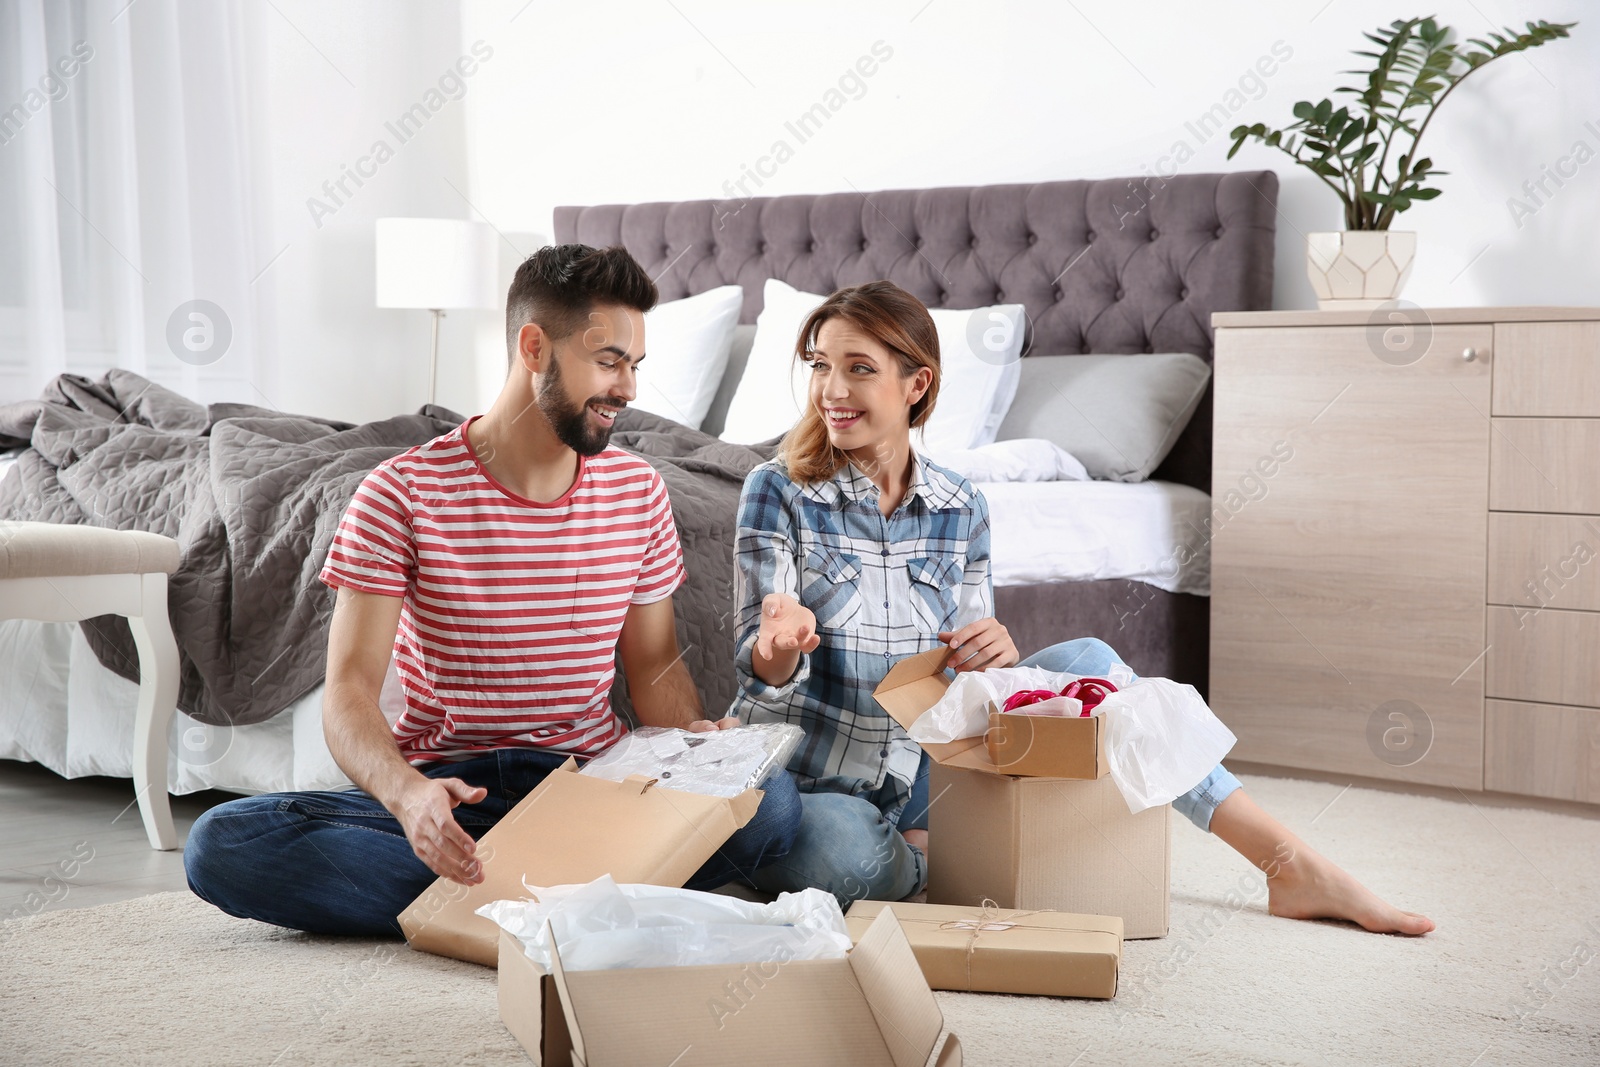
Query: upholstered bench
point(60, 573)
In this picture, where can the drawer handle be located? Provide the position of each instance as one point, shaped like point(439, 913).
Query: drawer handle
point(1469, 354)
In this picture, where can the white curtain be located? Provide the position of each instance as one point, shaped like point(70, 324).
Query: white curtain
point(127, 193)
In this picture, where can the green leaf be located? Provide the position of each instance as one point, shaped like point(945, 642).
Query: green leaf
point(1305, 109)
point(1423, 194)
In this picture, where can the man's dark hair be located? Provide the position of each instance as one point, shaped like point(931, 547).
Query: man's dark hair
point(559, 285)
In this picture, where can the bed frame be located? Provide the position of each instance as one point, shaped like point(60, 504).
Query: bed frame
point(1108, 266)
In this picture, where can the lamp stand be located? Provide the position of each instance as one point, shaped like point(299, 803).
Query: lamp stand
point(433, 360)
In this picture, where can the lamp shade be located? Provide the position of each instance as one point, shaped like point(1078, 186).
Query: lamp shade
point(436, 263)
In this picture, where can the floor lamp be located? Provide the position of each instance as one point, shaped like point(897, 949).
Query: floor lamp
point(434, 264)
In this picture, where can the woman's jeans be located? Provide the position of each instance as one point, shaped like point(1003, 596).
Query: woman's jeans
point(848, 846)
point(339, 863)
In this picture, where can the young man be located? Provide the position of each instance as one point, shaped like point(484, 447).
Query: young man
point(502, 567)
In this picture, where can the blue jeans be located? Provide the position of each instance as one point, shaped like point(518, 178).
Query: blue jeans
point(848, 847)
point(339, 863)
point(1092, 656)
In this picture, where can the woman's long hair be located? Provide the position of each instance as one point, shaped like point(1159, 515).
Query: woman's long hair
point(895, 319)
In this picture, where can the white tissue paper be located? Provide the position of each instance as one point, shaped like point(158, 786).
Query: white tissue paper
point(963, 711)
point(1163, 741)
point(605, 926)
point(720, 763)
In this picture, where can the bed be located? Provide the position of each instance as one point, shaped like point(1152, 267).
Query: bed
point(1113, 266)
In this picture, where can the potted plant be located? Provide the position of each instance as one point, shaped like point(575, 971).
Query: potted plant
point(1366, 150)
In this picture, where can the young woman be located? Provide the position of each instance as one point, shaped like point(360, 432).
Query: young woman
point(854, 552)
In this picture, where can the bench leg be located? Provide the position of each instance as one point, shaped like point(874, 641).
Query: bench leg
point(158, 700)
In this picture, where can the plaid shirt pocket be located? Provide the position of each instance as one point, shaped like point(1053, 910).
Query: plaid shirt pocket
point(830, 585)
point(935, 591)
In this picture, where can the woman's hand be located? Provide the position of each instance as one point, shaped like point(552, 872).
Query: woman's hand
point(786, 626)
point(981, 645)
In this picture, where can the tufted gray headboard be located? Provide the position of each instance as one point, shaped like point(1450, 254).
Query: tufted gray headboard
point(1110, 266)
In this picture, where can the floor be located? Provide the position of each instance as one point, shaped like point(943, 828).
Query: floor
point(1508, 978)
point(74, 844)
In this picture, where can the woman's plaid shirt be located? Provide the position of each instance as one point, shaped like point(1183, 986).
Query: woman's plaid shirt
point(882, 588)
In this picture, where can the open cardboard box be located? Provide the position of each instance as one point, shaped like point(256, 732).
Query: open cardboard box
point(1032, 842)
point(1041, 746)
point(870, 1009)
point(993, 950)
point(574, 828)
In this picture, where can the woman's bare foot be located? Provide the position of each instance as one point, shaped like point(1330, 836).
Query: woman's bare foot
point(1306, 885)
point(1301, 883)
point(919, 838)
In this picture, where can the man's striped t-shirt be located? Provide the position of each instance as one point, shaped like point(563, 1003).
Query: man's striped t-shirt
point(512, 607)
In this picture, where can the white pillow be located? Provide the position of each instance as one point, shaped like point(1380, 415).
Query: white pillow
point(1027, 459)
point(980, 364)
point(975, 392)
point(772, 391)
point(687, 342)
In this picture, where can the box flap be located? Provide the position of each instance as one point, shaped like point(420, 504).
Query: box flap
point(558, 975)
point(950, 1055)
point(574, 828)
point(913, 685)
point(529, 1006)
point(890, 978)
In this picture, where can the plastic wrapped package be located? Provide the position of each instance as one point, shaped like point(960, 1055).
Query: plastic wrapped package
point(720, 763)
point(606, 926)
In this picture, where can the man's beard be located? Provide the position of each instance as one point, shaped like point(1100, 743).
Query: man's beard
point(571, 424)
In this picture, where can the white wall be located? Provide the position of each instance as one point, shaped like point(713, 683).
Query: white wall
point(621, 102)
point(334, 74)
point(635, 100)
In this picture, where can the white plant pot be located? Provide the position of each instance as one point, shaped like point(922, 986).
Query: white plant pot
point(1357, 270)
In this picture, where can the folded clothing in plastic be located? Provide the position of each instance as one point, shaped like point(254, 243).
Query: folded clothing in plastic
point(605, 926)
point(719, 763)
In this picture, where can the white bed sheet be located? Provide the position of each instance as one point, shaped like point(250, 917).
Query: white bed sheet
point(1153, 532)
point(61, 708)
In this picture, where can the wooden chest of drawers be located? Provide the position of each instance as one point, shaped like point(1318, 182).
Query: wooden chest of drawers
point(1415, 592)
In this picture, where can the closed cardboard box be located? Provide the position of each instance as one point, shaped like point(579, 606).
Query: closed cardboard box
point(1000, 950)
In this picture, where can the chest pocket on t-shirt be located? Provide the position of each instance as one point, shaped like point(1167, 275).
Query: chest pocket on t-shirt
point(935, 591)
point(830, 585)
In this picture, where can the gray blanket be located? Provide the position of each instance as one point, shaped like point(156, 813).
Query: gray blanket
point(253, 497)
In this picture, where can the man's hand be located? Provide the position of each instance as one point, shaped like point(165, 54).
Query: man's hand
point(707, 726)
point(981, 645)
point(786, 626)
point(423, 809)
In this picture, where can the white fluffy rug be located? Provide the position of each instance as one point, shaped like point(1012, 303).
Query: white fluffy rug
point(1510, 976)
